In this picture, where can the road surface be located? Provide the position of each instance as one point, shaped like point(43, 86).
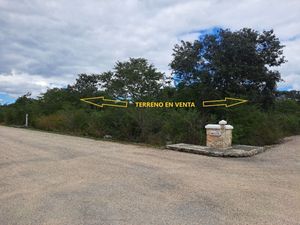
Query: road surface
point(54, 179)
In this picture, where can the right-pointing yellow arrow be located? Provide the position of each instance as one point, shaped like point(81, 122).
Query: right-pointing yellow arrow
point(227, 102)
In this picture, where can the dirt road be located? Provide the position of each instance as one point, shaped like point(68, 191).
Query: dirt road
point(57, 179)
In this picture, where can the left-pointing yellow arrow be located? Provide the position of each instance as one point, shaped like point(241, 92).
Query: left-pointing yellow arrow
point(101, 101)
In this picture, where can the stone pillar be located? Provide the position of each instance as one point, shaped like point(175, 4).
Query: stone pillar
point(26, 120)
point(219, 136)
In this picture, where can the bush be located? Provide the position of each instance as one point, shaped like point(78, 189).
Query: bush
point(55, 122)
point(2, 115)
point(185, 126)
point(255, 127)
point(157, 126)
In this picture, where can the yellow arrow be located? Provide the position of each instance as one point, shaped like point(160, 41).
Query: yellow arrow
point(106, 102)
point(227, 102)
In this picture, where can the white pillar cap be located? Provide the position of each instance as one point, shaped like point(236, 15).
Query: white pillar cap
point(217, 126)
point(223, 122)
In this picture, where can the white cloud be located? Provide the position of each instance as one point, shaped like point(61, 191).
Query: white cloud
point(49, 42)
point(290, 71)
point(291, 82)
point(17, 84)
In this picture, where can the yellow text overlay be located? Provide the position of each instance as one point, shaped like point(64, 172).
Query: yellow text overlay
point(165, 104)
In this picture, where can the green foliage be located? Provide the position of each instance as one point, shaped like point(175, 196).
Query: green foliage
point(58, 99)
point(2, 115)
point(185, 126)
point(161, 125)
point(230, 64)
point(288, 106)
point(135, 79)
point(287, 114)
point(54, 122)
point(15, 113)
point(119, 123)
point(255, 127)
point(252, 126)
point(87, 85)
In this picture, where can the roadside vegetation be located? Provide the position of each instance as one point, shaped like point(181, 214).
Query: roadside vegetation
point(238, 64)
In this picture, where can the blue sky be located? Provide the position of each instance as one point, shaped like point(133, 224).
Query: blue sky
point(45, 44)
point(6, 99)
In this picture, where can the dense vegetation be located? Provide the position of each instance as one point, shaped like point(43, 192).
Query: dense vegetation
point(224, 64)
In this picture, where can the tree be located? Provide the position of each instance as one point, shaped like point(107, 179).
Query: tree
point(56, 99)
point(135, 79)
point(15, 112)
point(230, 63)
point(87, 85)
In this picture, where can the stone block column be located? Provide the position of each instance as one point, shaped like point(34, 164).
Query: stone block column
point(219, 136)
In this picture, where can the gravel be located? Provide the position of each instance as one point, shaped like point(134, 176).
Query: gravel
point(48, 178)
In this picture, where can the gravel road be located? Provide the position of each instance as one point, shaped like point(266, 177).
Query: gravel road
point(54, 179)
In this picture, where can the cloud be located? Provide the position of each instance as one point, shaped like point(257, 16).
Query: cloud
point(48, 43)
point(291, 82)
point(17, 83)
point(290, 71)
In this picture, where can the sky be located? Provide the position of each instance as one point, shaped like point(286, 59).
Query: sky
point(45, 44)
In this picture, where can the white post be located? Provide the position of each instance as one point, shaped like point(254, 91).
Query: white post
point(26, 120)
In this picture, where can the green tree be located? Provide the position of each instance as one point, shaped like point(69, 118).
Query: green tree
point(56, 99)
point(87, 85)
point(135, 79)
point(236, 63)
point(15, 113)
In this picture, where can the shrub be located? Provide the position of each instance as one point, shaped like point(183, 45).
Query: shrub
point(157, 126)
point(54, 122)
point(185, 126)
point(253, 127)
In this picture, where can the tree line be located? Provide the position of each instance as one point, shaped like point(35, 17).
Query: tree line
point(224, 64)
